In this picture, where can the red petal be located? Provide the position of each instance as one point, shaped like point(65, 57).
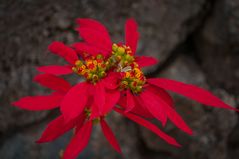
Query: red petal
point(99, 96)
point(149, 126)
point(131, 34)
point(37, 103)
point(57, 128)
point(154, 107)
point(195, 93)
point(162, 94)
point(140, 109)
point(111, 81)
point(55, 69)
point(82, 48)
point(96, 39)
point(93, 24)
point(170, 112)
point(78, 142)
point(74, 101)
point(144, 61)
point(64, 51)
point(53, 82)
point(110, 136)
point(130, 101)
point(177, 120)
point(112, 98)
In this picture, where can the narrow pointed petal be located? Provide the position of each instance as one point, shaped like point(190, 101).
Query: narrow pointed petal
point(74, 101)
point(177, 120)
point(99, 96)
point(78, 142)
point(58, 127)
point(37, 103)
point(79, 124)
point(162, 94)
point(110, 136)
point(193, 92)
point(53, 82)
point(149, 126)
point(154, 107)
point(130, 101)
point(64, 51)
point(82, 48)
point(144, 61)
point(96, 38)
point(140, 108)
point(93, 24)
point(111, 81)
point(112, 98)
point(55, 70)
point(131, 34)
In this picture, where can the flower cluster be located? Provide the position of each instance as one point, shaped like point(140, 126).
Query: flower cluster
point(113, 81)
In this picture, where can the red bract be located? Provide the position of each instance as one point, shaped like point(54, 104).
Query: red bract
point(147, 98)
point(45, 102)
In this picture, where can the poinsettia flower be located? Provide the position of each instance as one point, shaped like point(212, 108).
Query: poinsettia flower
point(94, 69)
point(148, 97)
point(82, 126)
point(144, 97)
point(96, 39)
point(45, 102)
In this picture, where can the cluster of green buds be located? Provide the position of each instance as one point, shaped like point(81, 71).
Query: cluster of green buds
point(93, 68)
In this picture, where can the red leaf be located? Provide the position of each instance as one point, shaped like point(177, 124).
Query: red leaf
point(99, 96)
point(64, 51)
point(74, 101)
point(78, 142)
point(55, 69)
point(57, 128)
point(82, 48)
point(177, 120)
point(171, 113)
point(37, 103)
point(139, 108)
point(112, 98)
point(193, 92)
point(110, 136)
point(162, 94)
point(111, 81)
point(130, 101)
point(93, 24)
point(53, 82)
point(149, 126)
point(154, 107)
point(144, 61)
point(96, 39)
point(131, 34)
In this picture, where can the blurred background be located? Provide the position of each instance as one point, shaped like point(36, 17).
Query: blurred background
point(196, 41)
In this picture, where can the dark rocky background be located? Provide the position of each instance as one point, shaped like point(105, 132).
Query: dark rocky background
point(196, 41)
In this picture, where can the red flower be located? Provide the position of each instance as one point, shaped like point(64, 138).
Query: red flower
point(147, 98)
point(82, 122)
point(98, 81)
point(45, 102)
point(82, 130)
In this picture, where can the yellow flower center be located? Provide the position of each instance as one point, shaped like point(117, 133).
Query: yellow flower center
point(121, 55)
point(133, 79)
point(93, 68)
